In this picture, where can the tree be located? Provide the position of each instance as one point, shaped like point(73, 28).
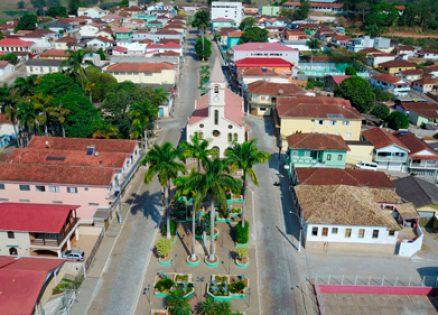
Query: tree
point(201, 20)
point(254, 34)
point(74, 66)
point(53, 3)
point(210, 307)
point(58, 11)
point(247, 22)
point(39, 5)
point(107, 131)
point(101, 83)
point(27, 116)
point(56, 84)
point(25, 85)
point(73, 6)
point(244, 157)
point(313, 44)
point(203, 48)
point(142, 114)
point(43, 106)
point(303, 10)
point(398, 120)
point(21, 4)
point(380, 111)
point(163, 162)
point(10, 57)
point(382, 95)
point(197, 149)
point(177, 303)
point(27, 22)
point(350, 70)
point(288, 15)
point(59, 113)
point(358, 91)
point(373, 30)
point(9, 102)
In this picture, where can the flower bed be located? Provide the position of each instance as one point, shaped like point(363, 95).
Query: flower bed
point(227, 287)
point(165, 283)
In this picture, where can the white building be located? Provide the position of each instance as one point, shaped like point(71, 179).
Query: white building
point(218, 115)
point(266, 50)
point(6, 69)
point(44, 66)
point(94, 12)
point(390, 83)
point(227, 10)
point(88, 31)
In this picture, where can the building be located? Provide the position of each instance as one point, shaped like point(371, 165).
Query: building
point(389, 152)
point(57, 54)
point(277, 65)
point(15, 45)
point(420, 113)
point(6, 69)
point(263, 95)
point(431, 54)
point(363, 42)
point(426, 85)
point(270, 10)
point(390, 83)
point(265, 50)
point(218, 115)
point(316, 150)
point(227, 10)
point(89, 173)
point(44, 66)
point(317, 6)
point(222, 22)
point(357, 219)
point(93, 12)
point(376, 59)
point(306, 114)
point(410, 75)
point(162, 73)
point(396, 66)
point(66, 43)
point(99, 42)
point(423, 159)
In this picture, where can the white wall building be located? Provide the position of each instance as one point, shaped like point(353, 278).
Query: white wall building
point(218, 115)
point(94, 12)
point(227, 10)
point(6, 69)
point(266, 50)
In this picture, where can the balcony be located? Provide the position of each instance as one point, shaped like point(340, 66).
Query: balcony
point(53, 240)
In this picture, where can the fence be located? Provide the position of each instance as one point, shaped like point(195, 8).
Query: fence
point(363, 280)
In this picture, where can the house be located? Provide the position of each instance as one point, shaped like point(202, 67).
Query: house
point(27, 229)
point(375, 59)
point(390, 83)
point(218, 115)
point(363, 42)
point(262, 95)
point(249, 75)
point(122, 33)
point(265, 50)
point(14, 45)
point(222, 22)
point(406, 51)
point(410, 75)
point(332, 82)
point(426, 85)
point(233, 38)
point(357, 219)
point(44, 66)
point(360, 151)
point(54, 54)
point(389, 152)
point(143, 73)
point(315, 150)
point(27, 283)
point(6, 69)
point(396, 66)
point(93, 12)
point(165, 47)
point(268, 10)
point(130, 49)
point(423, 194)
point(277, 65)
point(99, 43)
point(88, 30)
point(430, 54)
point(317, 6)
point(227, 10)
point(328, 115)
point(420, 113)
point(89, 173)
point(423, 159)
point(293, 35)
point(66, 43)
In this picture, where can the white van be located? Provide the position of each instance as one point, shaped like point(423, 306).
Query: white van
point(367, 166)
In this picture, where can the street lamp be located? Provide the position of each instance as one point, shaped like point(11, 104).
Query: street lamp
point(300, 231)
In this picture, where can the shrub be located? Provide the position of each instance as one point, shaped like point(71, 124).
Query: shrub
point(163, 247)
point(398, 120)
point(241, 253)
point(241, 234)
point(350, 70)
point(172, 228)
point(236, 287)
point(380, 111)
point(164, 284)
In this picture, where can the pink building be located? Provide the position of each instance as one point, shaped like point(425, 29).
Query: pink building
point(85, 172)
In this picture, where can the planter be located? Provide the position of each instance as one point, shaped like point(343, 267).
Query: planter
point(159, 312)
point(241, 265)
point(230, 296)
point(191, 263)
point(216, 235)
point(241, 245)
point(180, 281)
point(211, 264)
point(164, 262)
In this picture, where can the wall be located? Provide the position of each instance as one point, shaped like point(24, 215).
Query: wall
point(360, 152)
point(302, 158)
point(21, 242)
point(348, 132)
point(228, 10)
point(392, 162)
point(408, 249)
point(291, 56)
point(163, 77)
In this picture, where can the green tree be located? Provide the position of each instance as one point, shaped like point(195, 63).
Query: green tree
point(27, 22)
point(27, 116)
point(106, 131)
point(201, 20)
point(303, 10)
point(142, 114)
point(288, 15)
point(39, 6)
point(101, 83)
point(247, 22)
point(177, 303)
point(373, 30)
point(203, 48)
point(73, 6)
point(75, 68)
point(382, 95)
point(59, 113)
point(9, 104)
point(25, 85)
point(398, 120)
point(254, 34)
point(350, 70)
point(21, 4)
point(10, 57)
point(244, 157)
point(163, 162)
point(358, 91)
point(58, 11)
point(210, 307)
point(313, 44)
point(56, 84)
point(380, 111)
point(198, 149)
point(43, 106)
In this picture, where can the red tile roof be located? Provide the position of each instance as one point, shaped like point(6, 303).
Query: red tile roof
point(3, 64)
point(412, 72)
point(350, 177)
point(168, 45)
point(139, 67)
point(31, 217)
point(425, 109)
point(388, 78)
point(316, 107)
point(60, 53)
point(315, 4)
point(381, 138)
point(338, 79)
point(317, 141)
point(262, 62)
point(418, 148)
point(262, 47)
point(275, 89)
point(397, 64)
point(14, 42)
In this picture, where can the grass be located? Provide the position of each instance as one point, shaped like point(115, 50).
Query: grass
point(65, 284)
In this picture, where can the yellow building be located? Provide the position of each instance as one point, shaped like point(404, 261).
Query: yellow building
point(321, 114)
point(144, 73)
point(396, 66)
point(360, 151)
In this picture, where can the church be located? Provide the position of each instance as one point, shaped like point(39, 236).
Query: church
point(218, 116)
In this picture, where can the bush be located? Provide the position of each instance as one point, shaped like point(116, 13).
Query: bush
point(172, 228)
point(241, 234)
point(398, 120)
point(164, 284)
point(382, 95)
point(350, 70)
point(358, 91)
point(380, 111)
point(241, 253)
point(236, 287)
point(163, 247)
point(10, 57)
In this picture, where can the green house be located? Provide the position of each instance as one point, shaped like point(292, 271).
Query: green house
point(271, 10)
point(316, 150)
point(122, 33)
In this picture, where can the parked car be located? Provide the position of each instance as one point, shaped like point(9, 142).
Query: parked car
point(367, 166)
point(74, 254)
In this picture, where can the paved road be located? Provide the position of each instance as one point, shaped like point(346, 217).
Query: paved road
point(121, 284)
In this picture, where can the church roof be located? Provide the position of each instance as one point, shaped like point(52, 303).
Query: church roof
point(217, 76)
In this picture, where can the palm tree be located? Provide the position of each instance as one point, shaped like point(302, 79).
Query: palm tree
point(60, 113)
point(198, 149)
point(177, 303)
point(74, 66)
point(215, 183)
point(244, 157)
point(25, 85)
point(185, 188)
point(107, 131)
point(43, 106)
point(141, 115)
point(163, 162)
point(27, 116)
point(210, 307)
point(10, 107)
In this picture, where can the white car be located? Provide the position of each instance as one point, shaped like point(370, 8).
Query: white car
point(367, 166)
point(74, 254)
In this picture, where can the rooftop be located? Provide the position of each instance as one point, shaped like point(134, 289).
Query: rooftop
point(275, 89)
point(259, 46)
point(397, 64)
point(425, 109)
point(138, 67)
point(317, 141)
point(385, 77)
point(381, 138)
point(14, 42)
point(262, 62)
point(417, 190)
point(417, 147)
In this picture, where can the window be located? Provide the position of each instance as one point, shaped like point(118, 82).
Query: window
point(346, 122)
point(13, 251)
point(236, 137)
point(72, 190)
point(375, 233)
point(54, 189)
point(216, 117)
point(325, 231)
point(2, 186)
point(361, 233)
point(347, 233)
point(329, 157)
point(321, 122)
point(333, 122)
point(40, 188)
point(216, 133)
point(11, 234)
point(339, 157)
point(334, 230)
point(315, 231)
point(24, 200)
point(24, 187)
point(201, 126)
point(391, 233)
point(230, 137)
point(93, 204)
point(230, 126)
